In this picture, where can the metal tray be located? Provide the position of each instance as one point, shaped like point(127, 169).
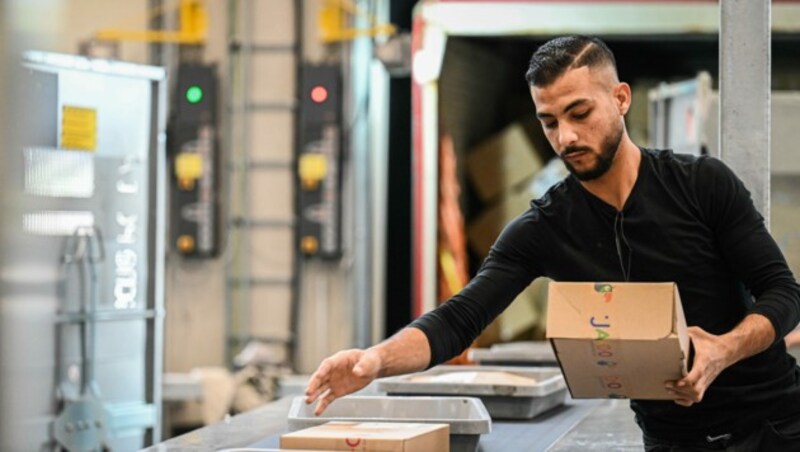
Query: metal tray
point(526, 353)
point(502, 401)
point(467, 417)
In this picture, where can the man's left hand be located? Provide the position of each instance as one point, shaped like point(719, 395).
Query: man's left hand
point(712, 354)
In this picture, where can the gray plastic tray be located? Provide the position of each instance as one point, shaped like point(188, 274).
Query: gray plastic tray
point(502, 401)
point(467, 416)
point(524, 353)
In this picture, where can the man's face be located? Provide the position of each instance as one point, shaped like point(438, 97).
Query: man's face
point(581, 114)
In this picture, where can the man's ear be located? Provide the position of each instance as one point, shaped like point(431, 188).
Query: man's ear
point(622, 96)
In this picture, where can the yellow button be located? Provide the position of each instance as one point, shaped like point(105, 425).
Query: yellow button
point(309, 244)
point(312, 169)
point(185, 243)
point(188, 165)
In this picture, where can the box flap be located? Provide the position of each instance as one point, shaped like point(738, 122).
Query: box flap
point(623, 368)
point(611, 310)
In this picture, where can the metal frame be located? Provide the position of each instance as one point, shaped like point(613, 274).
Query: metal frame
point(155, 343)
point(238, 276)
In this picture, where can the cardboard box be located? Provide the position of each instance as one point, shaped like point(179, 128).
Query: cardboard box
point(485, 227)
point(526, 311)
point(370, 436)
point(484, 230)
point(618, 340)
point(526, 314)
point(502, 162)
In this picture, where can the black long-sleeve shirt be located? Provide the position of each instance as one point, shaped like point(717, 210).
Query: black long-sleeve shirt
point(689, 220)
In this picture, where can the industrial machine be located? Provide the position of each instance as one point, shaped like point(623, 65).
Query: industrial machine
point(83, 294)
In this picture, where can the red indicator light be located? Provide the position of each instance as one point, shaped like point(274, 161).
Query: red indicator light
point(319, 94)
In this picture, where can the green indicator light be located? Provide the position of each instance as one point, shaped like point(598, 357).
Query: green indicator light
point(194, 94)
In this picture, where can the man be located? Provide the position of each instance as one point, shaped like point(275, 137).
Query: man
point(629, 214)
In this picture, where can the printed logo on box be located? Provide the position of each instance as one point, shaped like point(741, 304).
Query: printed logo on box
point(604, 351)
point(614, 384)
point(601, 324)
point(606, 289)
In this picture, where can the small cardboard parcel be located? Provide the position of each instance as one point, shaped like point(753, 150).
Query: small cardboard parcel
point(370, 436)
point(618, 340)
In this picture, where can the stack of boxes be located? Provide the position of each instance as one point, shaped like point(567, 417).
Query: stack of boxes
point(501, 170)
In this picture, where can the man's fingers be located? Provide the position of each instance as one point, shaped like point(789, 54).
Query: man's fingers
point(684, 388)
point(314, 388)
point(311, 397)
point(691, 378)
point(335, 377)
point(692, 395)
point(314, 384)
point(686, 395)
point(692, 386)
point(326, 399)
point(320, 377)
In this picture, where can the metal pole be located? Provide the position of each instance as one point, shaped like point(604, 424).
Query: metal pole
point(157, 22)
point(6, 409)
point(744, 68)
point(294, 314)
point(357, 136)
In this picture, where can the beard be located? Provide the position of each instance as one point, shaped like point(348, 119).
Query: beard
point(604, 159)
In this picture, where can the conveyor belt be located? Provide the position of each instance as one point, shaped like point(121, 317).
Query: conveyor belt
point(609, 427)
point(534, 435)
point(579, 425)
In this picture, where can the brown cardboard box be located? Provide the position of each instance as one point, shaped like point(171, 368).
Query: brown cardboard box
point(523, 313)
point(484, 230)
point(618, 340)
point(370, 436)
point(503, 161)
point(526, 314)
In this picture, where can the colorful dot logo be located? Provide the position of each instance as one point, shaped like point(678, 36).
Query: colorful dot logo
point(606, 289)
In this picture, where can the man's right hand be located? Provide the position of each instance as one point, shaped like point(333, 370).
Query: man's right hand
point(341, 374)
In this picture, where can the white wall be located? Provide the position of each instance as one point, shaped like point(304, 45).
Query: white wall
point(82, 18)
point(194, 333)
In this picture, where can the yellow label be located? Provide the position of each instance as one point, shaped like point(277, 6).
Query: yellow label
point(313, 167)
point(79, 128)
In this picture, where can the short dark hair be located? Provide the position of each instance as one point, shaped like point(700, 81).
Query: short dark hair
point(553, 58)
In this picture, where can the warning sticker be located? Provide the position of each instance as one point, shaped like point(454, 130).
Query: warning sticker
point(79, 128)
